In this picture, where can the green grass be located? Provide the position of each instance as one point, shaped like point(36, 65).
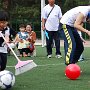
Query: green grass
point(49, 75)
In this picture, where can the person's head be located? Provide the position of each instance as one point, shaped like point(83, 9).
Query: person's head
point(22, 28)
point(51, 2)
point(3, 19)
point(28, 27)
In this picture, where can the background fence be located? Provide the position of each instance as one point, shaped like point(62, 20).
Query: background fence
point(36, 25)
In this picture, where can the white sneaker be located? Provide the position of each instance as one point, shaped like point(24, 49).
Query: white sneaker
point(81, 59)
point(58, 56)
point(49, 56)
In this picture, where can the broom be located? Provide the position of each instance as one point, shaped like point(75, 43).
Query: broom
point(21, 66)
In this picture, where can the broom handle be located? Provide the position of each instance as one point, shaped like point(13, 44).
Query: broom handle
point(10, 47)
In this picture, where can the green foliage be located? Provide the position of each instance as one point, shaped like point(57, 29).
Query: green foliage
point(83, 2)
point(26, 9)
point(25, 12)
point(70, 4)
point(22, 8)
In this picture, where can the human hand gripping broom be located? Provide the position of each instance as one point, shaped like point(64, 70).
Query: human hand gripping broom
point(21, 66)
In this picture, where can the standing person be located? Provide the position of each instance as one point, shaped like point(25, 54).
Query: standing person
point(11, 36)
point(50, 21)
point(21, 38)
point(3, 46)
point(72, 21)
point(11, 30)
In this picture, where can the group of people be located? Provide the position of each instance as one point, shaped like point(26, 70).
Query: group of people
point(68, 25)
point(54, 23)
point(25, 40)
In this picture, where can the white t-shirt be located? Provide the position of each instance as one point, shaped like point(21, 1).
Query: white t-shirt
point(70, 16)
point(4, 48)
point(52, 22)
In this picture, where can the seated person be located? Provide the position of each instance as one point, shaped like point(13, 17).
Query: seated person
point(32, 38)
point(22, 40)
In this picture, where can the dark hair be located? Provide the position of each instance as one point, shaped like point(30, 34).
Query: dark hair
point(3, 16)
point(22, 25)
point(29, 24)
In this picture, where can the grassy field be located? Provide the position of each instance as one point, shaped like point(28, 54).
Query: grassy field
point(49, 74)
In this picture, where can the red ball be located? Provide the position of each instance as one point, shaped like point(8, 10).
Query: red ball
point(72, 71)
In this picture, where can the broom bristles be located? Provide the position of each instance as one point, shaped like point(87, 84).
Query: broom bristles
point(24, 66)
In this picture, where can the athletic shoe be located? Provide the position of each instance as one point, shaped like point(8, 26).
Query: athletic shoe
point(49, 56)
point(58, 56)
point(81, 59)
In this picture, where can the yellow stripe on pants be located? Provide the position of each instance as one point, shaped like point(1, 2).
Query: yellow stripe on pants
point(69, 43)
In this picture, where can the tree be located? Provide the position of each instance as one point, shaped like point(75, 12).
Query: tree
point(21, 8)
point(70, 4)
point(83, 2)
point(22, 11)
